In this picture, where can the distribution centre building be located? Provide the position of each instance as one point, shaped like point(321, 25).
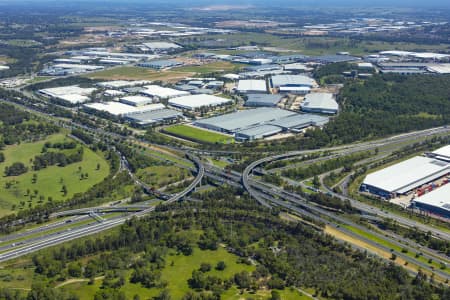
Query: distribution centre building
point(136, 100)
point(436, 201)
point(260, 122)
point(261, 100)
point(252, 86)
point(193, 102)
point(155, 117)
point(295, 84)
point(234, 122)
point(162, 92)
point(120, 109)
point(405, 176)
point(320, 103)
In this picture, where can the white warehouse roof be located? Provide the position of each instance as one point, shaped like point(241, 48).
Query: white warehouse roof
point(122, 83)
point(439, 197)
point(161, 45)
point(136, 100)
point(73, 94)
point(162, 92)
point(117, 108)
point(407, 175)
point(196, 101)
point(252, 86)
point(320, 102)
point(292, 80)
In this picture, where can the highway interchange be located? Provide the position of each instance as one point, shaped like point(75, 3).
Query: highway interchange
point(266, 194)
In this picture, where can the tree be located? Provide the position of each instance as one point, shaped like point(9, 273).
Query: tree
point(64, 190)
point(16, 169)
point(221, 265)
point(275, 295)
point(205, 267)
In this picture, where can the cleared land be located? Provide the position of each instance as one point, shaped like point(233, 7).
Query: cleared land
point(138, 73)
point(220, 66)
point(50, 180)
point(323, 45)
point(197, 135)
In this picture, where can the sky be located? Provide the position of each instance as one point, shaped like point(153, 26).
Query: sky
point(312, 3)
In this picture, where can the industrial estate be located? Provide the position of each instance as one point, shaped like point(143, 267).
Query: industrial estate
point(238, 151)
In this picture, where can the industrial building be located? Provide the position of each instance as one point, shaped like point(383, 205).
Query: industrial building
point(262, 100)
point(193, 102)
point(320, 103)
point(115, 84)
point(257, 132)
point(295, 123)
point(405, 176)
point(161, 46)
point(234, 122)
point(160, 64)
point(113, 93)
point(295, 84)
point(136, 100)
point(329, 59)
point(260, 122)
point(162, 92)
point(120, 109)
point(71, 94)
point(252, 86)
point(155, 117)
point(437, 201)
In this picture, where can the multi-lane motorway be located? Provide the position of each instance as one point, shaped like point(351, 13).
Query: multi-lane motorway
point(268, 195)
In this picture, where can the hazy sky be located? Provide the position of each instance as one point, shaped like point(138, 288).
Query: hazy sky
point(314, 3)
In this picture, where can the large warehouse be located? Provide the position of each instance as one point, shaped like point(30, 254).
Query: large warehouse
point(136, 100)
point(261, 122)
point(193, 102)
point(405, 176)
point(155, 117)
point(436, 201)
point(72, 94)
point(162, 92)
point(252, 86)
point(234, 122)
point(261, 100)
point(120, 109)
point(320, 103)
point(295, 84)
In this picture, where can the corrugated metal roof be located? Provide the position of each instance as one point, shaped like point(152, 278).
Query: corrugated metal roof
point(292, 80)
point(262, 100)
point(439, 197)
point(320, 102)
point(262, 130)
point(244, 119)
point(252, 85)
point(300, 121)
point(408, 174)
point(154, 116)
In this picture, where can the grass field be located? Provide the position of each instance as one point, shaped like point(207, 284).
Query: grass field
point(137, 73)
point(324, 45)
point(159, 176)
point(220, 66)
point(177, 272)
point(197, 134)
point(393, 246)
point(49, 180)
